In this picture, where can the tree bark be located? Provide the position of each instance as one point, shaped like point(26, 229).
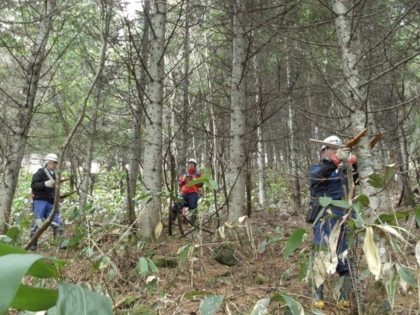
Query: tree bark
point(237, 158)
point(135, 150)
point(297, 202)
point(152, 179)
point(20, 125)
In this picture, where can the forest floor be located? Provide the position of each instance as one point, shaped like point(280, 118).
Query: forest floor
point(261, 271)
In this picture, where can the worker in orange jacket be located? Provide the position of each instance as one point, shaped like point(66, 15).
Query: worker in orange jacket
point(189, 194)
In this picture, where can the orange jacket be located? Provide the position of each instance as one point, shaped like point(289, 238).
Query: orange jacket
point(185, 178)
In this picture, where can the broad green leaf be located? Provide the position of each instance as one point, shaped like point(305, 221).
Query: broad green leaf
point(15, 235)
point(5, 239)
point(152, 266)
point(203, 179)
point(408, 276)
point(371, 253)
point(34, 299)
point(40, 268)
point(294, 306)
point(13, 268)
point(143, 266)
point(213, 184)
point(211, 304)
point(325, 201)
point(294, 242)
point(363, 199)
point(340, 203)
point(193, 294)
point(286, 275)
point(303, 270)
point(73, 299)
point(390, 218)
point(392, 289)
point(359, 220)
point(260, 308)
point(75, 215)
point(262, 246)
point(183, 251)
point(377, 181)
point(390, 171)
point(102, 261)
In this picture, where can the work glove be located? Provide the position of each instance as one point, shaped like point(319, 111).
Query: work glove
point(50, 183)
point(352, 159)
point(343, 154)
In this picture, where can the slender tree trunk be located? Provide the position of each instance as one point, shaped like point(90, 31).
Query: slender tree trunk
point(20, 125)
point(237, 163)
point(135, 150)
point(357, 100)
point(260, 147)
point(152, 179)
point(408, 197)
point(292, 130)
point(182, 158)
point(106, 14)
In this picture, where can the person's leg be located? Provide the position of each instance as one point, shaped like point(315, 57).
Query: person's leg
point(39, 208)
point(192, 200)
point(56, 224)
point(177, 207)
point(322, 231)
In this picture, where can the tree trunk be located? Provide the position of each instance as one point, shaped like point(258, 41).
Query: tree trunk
point(182, 158)
point(297, 202)
point(237, 159)
point(135, 150)
point(20, 125)
point(106, 15)
point(152, 179)
point(356, 100)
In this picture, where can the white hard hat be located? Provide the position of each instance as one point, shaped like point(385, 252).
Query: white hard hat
point(192, 161)
point(332, 139)
point(51, 157)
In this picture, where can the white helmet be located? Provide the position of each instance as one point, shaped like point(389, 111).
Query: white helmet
point(332, 139)
point(192, 161)
point(51, 157)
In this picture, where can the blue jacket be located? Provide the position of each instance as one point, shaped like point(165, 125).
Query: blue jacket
point(325, 180)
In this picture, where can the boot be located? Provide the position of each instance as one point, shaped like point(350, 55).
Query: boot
point(193, 218)
point(34, 246)
point(345, 288)
point(174, 215)
point(58, 233)
point(319, 297)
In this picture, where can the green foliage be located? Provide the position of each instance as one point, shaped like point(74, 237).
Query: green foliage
point(278, 188)
point(16, 263)
point(211, 304)
point(146, 266)
point(294, 241)
point(270, 240)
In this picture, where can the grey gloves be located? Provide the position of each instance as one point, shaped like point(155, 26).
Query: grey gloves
point(50, 183)
point(343, 154)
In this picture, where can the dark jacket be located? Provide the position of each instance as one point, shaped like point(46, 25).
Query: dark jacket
point(39, 190)
point(326, 181)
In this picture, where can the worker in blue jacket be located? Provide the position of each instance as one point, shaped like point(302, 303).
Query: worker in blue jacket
point(329, 179)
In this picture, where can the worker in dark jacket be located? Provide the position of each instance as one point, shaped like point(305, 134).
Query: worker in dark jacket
point(43, 195)
point(329, 179)
point(189, 194)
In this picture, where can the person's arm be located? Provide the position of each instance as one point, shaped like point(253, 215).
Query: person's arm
point(39, 180)
point(325, 171)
